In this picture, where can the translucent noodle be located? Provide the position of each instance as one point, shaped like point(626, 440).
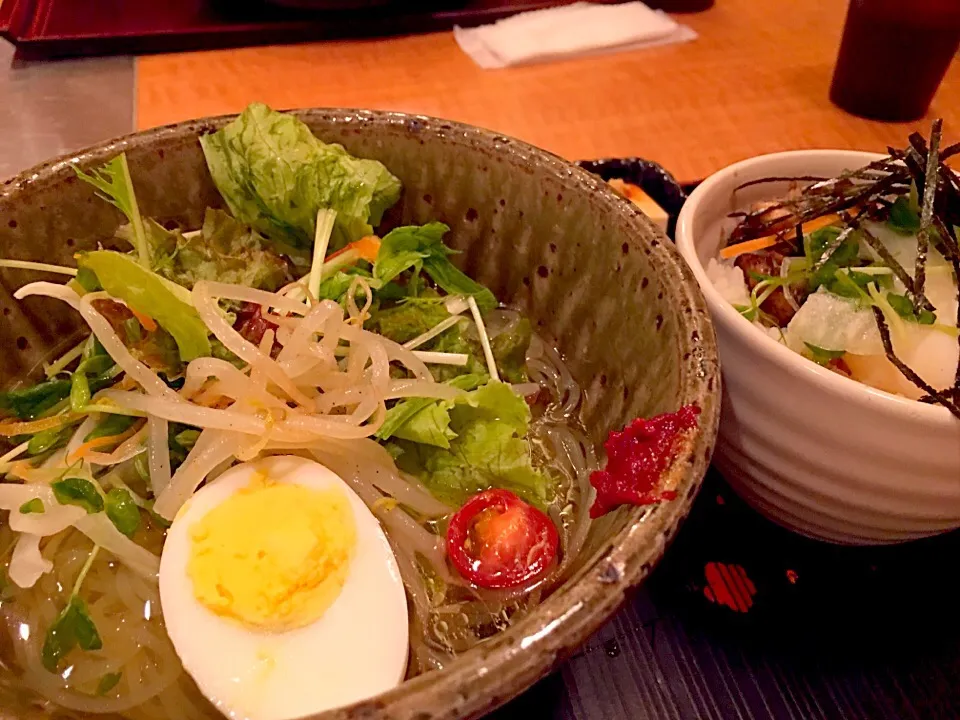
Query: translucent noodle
point(151, 681)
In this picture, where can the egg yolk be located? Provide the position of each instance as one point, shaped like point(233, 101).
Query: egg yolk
point(273, 556)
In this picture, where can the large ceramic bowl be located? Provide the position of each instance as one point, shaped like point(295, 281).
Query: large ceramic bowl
point(817, 452)
point(591, 271)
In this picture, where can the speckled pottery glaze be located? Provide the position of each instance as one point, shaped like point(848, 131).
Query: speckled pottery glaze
point(549, 238)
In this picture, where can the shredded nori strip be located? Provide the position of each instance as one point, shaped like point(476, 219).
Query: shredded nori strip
point(941, 398)
point(916, 159)
point(950, 250)
point(818, 200)
point(956, 273)
point(799, 178)
point(949, 151)
point(869, 193)
point(889, 260)
point(952, 393)
point(827, 255)
point(926, 211)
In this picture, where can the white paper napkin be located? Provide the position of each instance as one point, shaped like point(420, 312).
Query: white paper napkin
point(570, 30)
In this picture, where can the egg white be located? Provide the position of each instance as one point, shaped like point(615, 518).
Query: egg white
point(356, 649)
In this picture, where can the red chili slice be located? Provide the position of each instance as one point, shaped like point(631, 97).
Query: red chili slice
point(496, 540)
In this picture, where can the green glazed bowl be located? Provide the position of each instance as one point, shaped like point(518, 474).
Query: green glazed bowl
point(593, 274)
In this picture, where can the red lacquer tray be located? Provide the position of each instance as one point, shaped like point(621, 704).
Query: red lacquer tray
point(58, 28)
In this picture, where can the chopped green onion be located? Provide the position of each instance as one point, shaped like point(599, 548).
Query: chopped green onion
point(73, 626)
point(80, 492)
point(46, 440)
point(79, 391)
point(32, 506)
point(123, 511)
point(107, 683)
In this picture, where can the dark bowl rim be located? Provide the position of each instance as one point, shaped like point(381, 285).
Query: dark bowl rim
point(501, 668)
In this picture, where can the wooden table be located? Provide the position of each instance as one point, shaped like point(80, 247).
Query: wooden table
point(755, 81)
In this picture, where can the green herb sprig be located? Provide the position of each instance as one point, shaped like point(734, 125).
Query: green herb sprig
point(73, 626)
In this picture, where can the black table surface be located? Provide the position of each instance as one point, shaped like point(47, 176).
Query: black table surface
point(744, 619)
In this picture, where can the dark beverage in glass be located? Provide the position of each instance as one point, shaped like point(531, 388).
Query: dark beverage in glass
point(893, 56)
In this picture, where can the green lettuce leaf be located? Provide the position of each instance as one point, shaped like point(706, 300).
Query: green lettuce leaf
point(28, 403)
point(48, 440)
point(276, 175)
point(405, 248)
point(904, 219)
point(430, 426)
point(337, 286)
point(225, 250)
point(404, 420)
point(461, 338)
point(489, 448)
point(453, 280)
point(408, 319)
point(400, 414)
point(146, 293)
point(421, 248)
point(113, 181)
point(110, 426)
point(78, 491)
point(412, 317)
point(510, 351)
point(123, 511)
point(73, 627)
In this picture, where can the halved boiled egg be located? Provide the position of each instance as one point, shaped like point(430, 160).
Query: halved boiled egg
point(281, 594)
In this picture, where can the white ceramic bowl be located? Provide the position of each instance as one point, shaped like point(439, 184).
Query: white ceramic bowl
point(817, 452)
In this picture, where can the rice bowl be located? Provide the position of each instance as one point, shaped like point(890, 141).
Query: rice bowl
point(817, 452)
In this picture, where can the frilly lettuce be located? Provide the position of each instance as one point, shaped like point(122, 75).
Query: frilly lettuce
point(275, 175)
point(458, 448)
point(224, 250)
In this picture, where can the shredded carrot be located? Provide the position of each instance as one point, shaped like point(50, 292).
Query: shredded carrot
point(368, 247)
point(365, 248)
point(11, 428)
point(149, 324)
point(91, 445)
point(750, 246)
